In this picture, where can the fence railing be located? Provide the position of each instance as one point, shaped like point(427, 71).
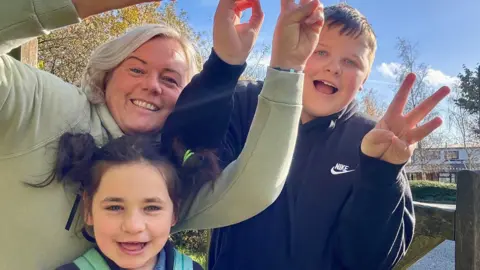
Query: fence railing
point(436, 223)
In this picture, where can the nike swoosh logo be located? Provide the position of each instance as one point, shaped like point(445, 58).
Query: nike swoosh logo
point(335, 172)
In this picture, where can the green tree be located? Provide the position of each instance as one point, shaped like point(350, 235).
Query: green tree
point(469, 96)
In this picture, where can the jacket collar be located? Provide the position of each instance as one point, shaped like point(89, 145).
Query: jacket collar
point(108, 123)
point(328, 123)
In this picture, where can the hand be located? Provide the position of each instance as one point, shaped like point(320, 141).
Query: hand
point(86, 8)
point(296, 34)
point(233, 41)
point(394, 137)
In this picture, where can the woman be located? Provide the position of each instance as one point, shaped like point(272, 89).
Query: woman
point(33, 101)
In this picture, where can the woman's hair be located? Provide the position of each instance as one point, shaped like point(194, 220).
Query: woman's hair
point(80, 161)
point(111, 54)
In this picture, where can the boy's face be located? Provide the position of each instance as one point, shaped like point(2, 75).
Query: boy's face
point(334, 73)
point(131, 215)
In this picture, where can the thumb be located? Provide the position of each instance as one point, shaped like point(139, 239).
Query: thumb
point(376, 142)
point(304, 11)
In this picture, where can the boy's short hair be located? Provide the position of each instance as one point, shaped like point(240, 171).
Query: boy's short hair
point(353, 24)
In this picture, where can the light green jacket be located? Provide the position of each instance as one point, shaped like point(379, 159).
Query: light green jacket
point(36, 108)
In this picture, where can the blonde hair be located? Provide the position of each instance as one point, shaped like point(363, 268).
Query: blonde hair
point(111, 54)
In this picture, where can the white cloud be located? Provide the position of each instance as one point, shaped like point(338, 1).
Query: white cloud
point(437, 78)
point(434, 78)
point(388, 70)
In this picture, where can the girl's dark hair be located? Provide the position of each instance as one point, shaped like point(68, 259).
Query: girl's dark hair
point(80, 161)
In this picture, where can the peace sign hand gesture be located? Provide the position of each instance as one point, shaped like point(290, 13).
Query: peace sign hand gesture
point(394, 137)
point(297, 33)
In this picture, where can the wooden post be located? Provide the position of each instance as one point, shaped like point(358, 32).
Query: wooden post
point(467, 222)
point(27, 53)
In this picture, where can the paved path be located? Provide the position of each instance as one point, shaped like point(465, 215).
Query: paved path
point(440, 258)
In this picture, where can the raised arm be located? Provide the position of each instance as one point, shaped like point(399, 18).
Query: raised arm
point(203, 110)
point(31, 101)
point(253, 181)
point(383, 190)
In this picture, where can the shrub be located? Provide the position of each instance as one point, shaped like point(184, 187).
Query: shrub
point(194, 244)
point(432, 191)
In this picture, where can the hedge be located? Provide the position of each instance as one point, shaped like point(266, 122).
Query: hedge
point(432, 191)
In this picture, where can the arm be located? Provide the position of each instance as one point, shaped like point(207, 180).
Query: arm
point(377, 223)
point(252, 182)
point(33, 103)
point(23, 20)
point(203, 110)
point(245, 102)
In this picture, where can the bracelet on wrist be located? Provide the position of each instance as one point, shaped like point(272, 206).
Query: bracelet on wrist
point(291, 70)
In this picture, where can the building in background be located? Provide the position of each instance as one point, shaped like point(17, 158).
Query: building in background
point(442, 164)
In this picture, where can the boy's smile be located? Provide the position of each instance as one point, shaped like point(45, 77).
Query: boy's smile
point(325, 87)
point(335, 72)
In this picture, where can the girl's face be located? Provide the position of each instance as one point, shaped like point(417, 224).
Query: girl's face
point(131, 215)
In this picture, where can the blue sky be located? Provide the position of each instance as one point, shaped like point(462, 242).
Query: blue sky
point(447, 34)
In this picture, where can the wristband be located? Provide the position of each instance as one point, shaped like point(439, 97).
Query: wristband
point(287, 70)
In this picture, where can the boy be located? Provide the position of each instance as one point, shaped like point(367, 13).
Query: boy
point(346, 203)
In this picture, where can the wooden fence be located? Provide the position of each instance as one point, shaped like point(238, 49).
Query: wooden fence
point(436, 223)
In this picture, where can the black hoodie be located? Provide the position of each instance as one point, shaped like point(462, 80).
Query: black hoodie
point(339, 209)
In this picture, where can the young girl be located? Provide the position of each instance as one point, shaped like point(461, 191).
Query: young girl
point(132, 189)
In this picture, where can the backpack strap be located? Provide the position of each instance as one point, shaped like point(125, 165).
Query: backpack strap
point(182, 261)
point(91, 260)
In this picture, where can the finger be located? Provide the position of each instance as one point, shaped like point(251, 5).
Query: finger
point(256, 20)
point(417, 134)
point(422, 110)
point(316, 17)
point(304, 10)
point(376, 142)
point(287, 3)
point(400, 99)
point(226, 4)
point(242, 5)
point(401, 151)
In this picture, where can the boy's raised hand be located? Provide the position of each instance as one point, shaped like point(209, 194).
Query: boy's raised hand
point(233, 41)
point(297, 33)
point(394, 137)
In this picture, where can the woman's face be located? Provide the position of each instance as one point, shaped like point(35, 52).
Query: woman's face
point(142, 91)
point(131, 214)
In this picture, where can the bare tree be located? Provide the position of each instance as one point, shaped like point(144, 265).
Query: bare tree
point(370, 104)
point(256, 67)
point(408, 55)
point(463, 125)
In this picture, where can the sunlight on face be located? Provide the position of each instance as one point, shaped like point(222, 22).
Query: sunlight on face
point(334, 73)
point(132, 214)
point(143, 90)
